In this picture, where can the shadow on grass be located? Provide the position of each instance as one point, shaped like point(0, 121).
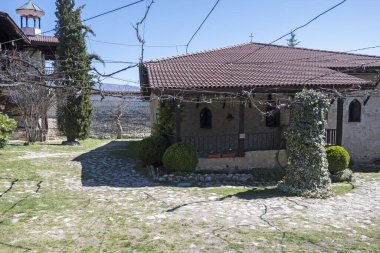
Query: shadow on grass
point(112, 165)
point(253, 194)
point(262, 193)
point(116, 165)
point(372, 168)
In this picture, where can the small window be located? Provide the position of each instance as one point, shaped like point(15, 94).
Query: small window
point(355, 111)
point(205, 118)
point(273, 116)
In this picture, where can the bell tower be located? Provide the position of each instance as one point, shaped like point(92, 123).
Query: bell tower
point(32, 14)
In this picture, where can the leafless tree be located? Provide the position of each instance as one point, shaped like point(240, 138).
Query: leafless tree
point(31, 91)
point(119, 114)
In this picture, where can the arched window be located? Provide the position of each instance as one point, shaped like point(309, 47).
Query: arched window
point(355, 111)
point(205, 118)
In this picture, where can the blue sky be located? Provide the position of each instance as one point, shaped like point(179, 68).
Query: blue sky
point(355, 24)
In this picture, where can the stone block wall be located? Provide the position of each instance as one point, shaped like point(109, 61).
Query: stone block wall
point(254, 159)
point(361, 139)
point(135, 119)
point(225, 117)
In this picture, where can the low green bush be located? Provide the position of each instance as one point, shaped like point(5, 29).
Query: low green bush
point(7, 126)
point(150, 150)
point(180, 157)
point(338, 158)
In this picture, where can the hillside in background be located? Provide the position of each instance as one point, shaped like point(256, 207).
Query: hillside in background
point(117, 87)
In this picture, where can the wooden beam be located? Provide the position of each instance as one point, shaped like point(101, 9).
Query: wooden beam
point(339, 122)
point(366, 100)
point(177, 121)
point(241, 135)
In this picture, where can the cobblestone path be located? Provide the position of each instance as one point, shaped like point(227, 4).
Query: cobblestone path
point(102, 204)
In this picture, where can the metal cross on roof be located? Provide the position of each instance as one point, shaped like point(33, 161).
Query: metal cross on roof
point(251, 37)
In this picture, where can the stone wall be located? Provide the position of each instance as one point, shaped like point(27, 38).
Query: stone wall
point(361, 139)
point(225, 117)
point(253, 159)
point(135, 119)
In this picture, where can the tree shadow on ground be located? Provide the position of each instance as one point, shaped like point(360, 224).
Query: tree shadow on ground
point(111, 165)
point(253, 194)
point(370, 168)
point(262, 193)
point(115, 165)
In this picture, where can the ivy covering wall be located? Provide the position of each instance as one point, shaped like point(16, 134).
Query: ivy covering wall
point(307, 172)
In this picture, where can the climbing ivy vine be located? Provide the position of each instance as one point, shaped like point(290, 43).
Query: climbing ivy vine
point(307, 172)
point(166, 119)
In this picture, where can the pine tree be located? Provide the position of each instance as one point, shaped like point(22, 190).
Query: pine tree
point(73, 65)
point(293, 42)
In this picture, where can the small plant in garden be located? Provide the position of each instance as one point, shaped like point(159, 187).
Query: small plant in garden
point(307, 172)
point(151, 149)
point(339, 159)
point(180, 157)
point(7, 126)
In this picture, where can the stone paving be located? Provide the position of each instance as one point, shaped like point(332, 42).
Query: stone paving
point(113, 202)
point(358, 209)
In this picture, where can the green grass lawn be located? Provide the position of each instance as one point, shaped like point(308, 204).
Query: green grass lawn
point(44, 207)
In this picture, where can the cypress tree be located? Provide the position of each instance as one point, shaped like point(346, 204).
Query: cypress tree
point(73, 66)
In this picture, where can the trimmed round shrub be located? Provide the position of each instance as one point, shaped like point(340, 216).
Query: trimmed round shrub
point(338, 158)
point(151, 149)
point(180, 157)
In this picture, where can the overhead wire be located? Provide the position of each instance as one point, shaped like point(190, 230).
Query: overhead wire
point(203, 22)
point(111, 11)
point(316, 58)
point(84, 20)
point(137, 45)
point(246, 56)
point(293, 30)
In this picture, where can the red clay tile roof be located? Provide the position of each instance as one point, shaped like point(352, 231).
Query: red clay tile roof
point(43, 39)
point(259, 65)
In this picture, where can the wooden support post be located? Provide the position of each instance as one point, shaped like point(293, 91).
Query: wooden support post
point(339, 122)
point(241, 136)
point(177, 121)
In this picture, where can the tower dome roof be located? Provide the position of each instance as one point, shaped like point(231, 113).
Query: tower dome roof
point(30, 6)
point(31, 9)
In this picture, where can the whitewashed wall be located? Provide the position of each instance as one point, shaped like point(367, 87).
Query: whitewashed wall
point(361, 139)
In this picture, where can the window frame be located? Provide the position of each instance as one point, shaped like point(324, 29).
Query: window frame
point(355, 111)
point(205, 118)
